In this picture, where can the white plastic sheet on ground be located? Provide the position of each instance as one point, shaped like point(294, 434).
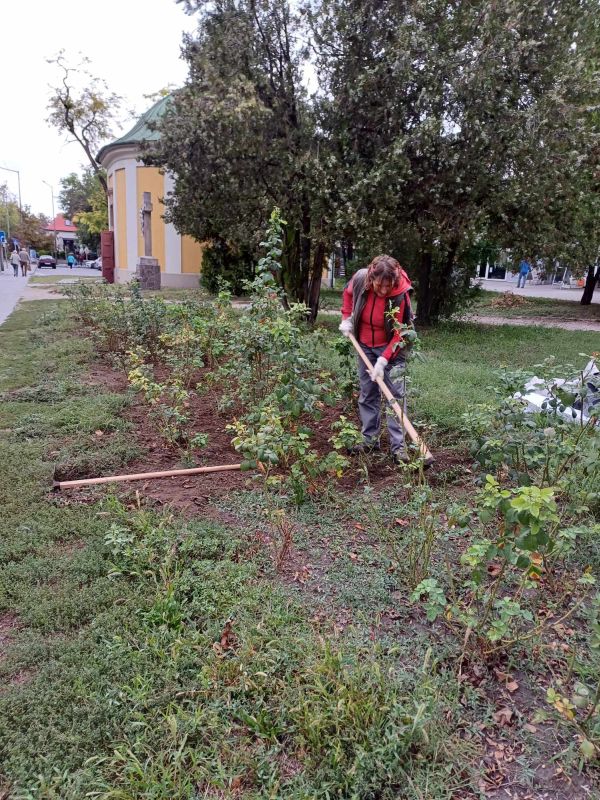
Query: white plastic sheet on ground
point(538, 392)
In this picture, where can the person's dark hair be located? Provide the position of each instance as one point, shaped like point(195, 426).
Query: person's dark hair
point(383, 268)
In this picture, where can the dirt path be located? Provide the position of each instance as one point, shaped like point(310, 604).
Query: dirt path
point(541, 322)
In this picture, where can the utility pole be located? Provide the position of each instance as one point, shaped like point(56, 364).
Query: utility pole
point(7, 215)
point(53, 217)
point(8, 169)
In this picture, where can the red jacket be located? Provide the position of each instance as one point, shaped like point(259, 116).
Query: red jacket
point(371, 329)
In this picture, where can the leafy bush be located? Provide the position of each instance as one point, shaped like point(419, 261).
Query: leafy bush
point(542, 449)
point(221, 264)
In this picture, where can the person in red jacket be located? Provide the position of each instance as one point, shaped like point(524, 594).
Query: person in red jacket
point(371, 297)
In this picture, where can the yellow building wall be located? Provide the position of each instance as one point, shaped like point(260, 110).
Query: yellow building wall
point(121, 220)
point(149, 179)
point(191, 255)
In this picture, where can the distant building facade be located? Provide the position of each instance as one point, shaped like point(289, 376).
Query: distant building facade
point(180, 257)
point(65, 232)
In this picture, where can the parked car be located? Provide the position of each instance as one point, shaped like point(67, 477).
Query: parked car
point(95, 264)
point(46, 261)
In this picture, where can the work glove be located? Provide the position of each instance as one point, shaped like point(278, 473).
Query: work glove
point(347, 326)
point(379, 368)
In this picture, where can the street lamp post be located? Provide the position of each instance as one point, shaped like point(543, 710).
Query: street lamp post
point(53, 217)
point(8, 169)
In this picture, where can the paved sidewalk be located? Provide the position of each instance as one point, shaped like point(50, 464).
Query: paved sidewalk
point(554, 291)
point(11, 291)
point(61, 276)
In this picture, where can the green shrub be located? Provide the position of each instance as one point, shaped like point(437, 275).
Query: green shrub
point(221, 263)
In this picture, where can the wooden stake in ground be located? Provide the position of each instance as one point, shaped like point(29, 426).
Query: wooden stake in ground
point(404, 420)
point(143, 476)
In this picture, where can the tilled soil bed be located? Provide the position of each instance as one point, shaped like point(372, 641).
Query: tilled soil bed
point(191, 493)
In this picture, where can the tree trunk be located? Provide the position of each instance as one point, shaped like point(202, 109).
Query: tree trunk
point(305, 248)
point(314, 287)
point(590, 285)
point(424, 295)
point(439, 291)
point(291, 279)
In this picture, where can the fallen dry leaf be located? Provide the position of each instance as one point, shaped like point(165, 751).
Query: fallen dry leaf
point(99, 433)
point(529, 728)
point(353, 556)
point(503, 716)
point(227, 636)
point(512, 686)
point(391, 614)
point(402, 522)
point(493, 570)
point(359, 527)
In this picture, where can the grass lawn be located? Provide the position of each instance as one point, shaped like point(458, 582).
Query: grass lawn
point(492, 304)
point(150, 654)
point(460, 361)
point(58, 278)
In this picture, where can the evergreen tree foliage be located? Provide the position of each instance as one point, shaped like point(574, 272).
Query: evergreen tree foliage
point(437, 125)
point(452, 121)
point(240, 138)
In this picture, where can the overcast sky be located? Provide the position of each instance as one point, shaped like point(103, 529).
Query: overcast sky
point(134, 45)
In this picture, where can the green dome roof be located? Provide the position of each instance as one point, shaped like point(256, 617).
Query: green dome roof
point(140, 131)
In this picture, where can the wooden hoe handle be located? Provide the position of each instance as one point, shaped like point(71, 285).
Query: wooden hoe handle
point(404, 420)
point(143, 476)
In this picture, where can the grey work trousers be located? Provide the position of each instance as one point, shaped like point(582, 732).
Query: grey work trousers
point(369, 401)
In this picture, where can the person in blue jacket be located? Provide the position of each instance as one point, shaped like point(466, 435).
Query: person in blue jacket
point(71, 260)
point(524, 270)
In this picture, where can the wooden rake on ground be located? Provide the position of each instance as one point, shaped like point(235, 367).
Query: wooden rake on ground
point(407, 427)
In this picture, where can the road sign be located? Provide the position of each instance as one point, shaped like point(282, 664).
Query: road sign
point(2, 237)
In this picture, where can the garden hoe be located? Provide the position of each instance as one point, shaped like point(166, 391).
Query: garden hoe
point(428, 459)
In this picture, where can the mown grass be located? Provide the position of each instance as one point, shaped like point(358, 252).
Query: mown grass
point(122, 677)
point(460, 361)
point(487, 305)
point(119, 676)
point(57, 278)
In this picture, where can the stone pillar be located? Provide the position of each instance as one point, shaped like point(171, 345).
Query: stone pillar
point(148, 272)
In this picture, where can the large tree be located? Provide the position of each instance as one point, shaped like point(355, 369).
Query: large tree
point(451, 120)
point(82, 107)
point(76, 192)
point(83, 199)
point(22, 224)
point(240, 138)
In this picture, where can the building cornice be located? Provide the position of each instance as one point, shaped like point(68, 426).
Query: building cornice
point(119, 152)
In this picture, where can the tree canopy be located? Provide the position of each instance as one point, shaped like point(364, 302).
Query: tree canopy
point(436, 125)
point(240, 138)
point(451, 121)
point(82, 106)
point(22, 224)
point(83, 199)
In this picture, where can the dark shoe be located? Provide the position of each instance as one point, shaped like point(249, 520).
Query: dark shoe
point(400, 457)
point(365, 447)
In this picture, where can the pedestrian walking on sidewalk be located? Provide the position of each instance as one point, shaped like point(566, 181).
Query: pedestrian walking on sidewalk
point(374, 300)
point(524, 270)
point(71, 260)
point(24, 259)
point(14, 260)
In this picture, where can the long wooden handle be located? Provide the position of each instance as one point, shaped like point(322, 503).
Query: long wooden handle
point(404, 420)
point(142, 476)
